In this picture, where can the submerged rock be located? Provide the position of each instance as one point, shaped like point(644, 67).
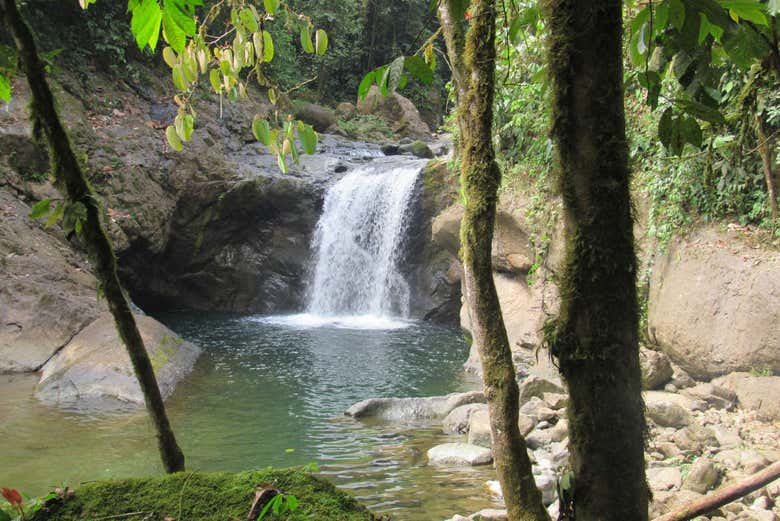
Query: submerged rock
point(459, 455)
point(94, 366)
point(413, 408)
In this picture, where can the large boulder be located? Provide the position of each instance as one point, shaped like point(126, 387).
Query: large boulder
point(714, 305)
point(405, 409)
point(47, 293)
point(94, 367)
point(457, 421)
point(759, 393)
point(399, 112)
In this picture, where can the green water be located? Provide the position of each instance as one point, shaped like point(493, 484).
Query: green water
point(267, 394)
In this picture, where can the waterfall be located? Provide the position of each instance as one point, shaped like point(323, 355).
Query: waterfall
point(358, 241)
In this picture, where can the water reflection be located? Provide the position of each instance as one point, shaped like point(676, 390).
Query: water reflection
point(260, 389)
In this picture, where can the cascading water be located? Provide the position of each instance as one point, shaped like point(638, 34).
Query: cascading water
point(357, 244)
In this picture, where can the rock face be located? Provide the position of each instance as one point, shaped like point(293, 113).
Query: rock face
point(715, 306)
point(47, 293)
point(404, 409)
point(400, 113)
point(94, 366)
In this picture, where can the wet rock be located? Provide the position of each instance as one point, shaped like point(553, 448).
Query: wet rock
point(664, 478)
point(94, 366)
point(413, 408)
point(345, 109)
point(702, 476)
point(459, 454)
point(457, 421)
point(664, 410)
point(757, 393)
point(319, 117)
point(390, 149)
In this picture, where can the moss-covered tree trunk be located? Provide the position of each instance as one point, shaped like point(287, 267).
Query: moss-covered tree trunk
point(595, 338)
point(70, 179)
point(480, 179)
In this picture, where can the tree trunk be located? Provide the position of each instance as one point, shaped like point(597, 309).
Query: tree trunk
point(480, 179)
point(765, 151)
point(455, 42)
point(70, 179)
point(595, 337)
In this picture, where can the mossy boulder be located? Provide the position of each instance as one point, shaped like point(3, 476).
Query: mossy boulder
point(94, 367)
point(205, 496)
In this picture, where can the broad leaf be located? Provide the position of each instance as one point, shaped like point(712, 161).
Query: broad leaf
point(145, 23)
point(271, 6)
point(306, 42)
point(750, 10)
point(365, 84)
point(700, 111)
point(321, 42)
point(5, 88)
point(261, 130)
point(40, 209)
point(308, 138)
point(394, 72)
point(268, 47)
point(173, 139)
point(417, 67)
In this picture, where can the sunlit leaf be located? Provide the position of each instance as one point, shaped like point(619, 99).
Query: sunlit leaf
point(321, 42)
point(173, 139)
point(40, 209)
point(261, 130)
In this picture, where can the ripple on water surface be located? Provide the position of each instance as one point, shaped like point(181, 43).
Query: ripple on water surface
point(268, 391)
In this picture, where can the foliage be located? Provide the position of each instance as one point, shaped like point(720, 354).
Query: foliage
point(198, 496)
point(16, 509)
point(365, 127)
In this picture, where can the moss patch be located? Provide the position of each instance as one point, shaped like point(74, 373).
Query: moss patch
point(205, 496)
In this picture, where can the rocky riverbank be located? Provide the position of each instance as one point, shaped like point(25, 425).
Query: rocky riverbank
point(702, 436)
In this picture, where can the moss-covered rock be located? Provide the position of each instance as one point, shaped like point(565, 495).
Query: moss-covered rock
point(205, 496)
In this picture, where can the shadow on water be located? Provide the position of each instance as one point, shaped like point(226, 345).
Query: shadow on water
point(267, 392)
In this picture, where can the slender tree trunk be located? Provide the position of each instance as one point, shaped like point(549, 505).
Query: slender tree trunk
point(70, 179)
point(480, 179)
point(765, 151)
point(595, 337)
point(455, 42)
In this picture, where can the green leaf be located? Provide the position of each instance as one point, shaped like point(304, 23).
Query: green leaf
point(268, 47)
point(282, 163)
point(700, 111)
point(365, 85)
point(515, 29)
point(5, 89)
point(248, 19)
point(187, 127)
point(744, 46)
point(178, 78)
point(261, 130)
point(55, 216)
point(306, 42)
point(178, 23)
point(4, 515)
point(707, 28)
point(690, 131)
point(271, 6)
point(666, 128)
point(321, 42)
point(750, 10)
point(677, 14)
point(169, 55)
point(145, 23)
point(292, 503)
point(394, 72)
point(308, 138)
point(417, 67)
point(40, 209)
point(216, 82)
point(173, 139)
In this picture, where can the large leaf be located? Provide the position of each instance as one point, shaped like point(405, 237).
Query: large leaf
point(262, 130)
point(321, 42)
point(306, 42)
point(308, 137)
point(394, 72)
point(365, 84)
point(750, 10)
point(268, 47)
point(40, 209)
point(173, 139)
point(145, 23)
point(700, 111)
point(417, 67)
point(178, 22)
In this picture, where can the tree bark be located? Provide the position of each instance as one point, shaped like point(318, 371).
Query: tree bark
point(765, 151)
point(70, 179)
point(480, 179)
point(724, 496)
point(455, 41)
point(595, 336)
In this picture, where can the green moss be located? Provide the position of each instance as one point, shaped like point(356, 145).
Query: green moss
point(205, 496)
point(165, 351)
